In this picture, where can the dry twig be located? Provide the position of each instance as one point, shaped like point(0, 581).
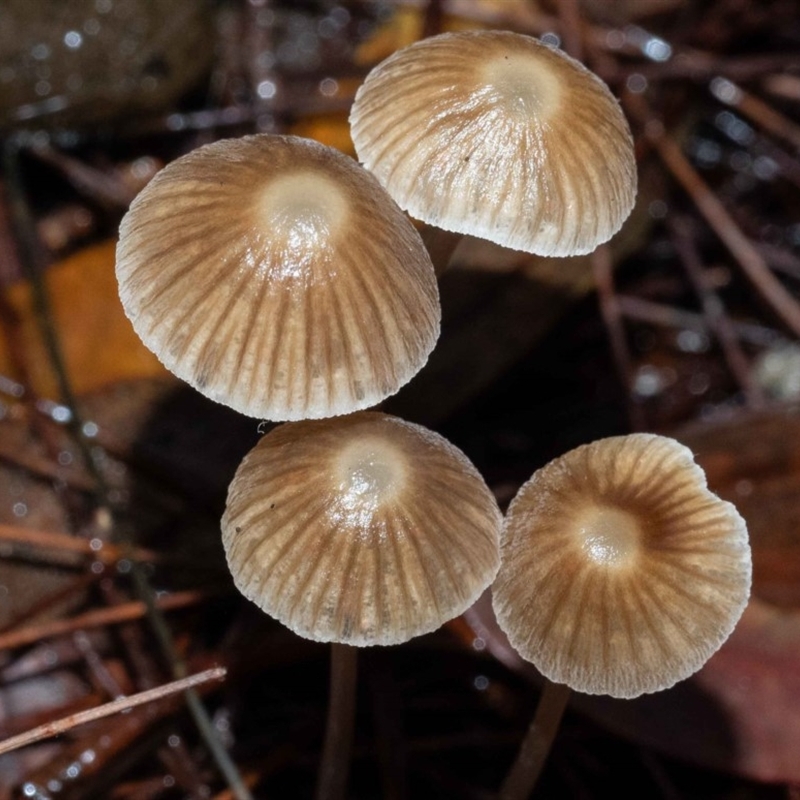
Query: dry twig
point(114, 707)
point(96, 619)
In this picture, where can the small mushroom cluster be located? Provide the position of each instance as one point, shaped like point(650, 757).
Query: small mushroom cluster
point(278, 276)
point(275, 275)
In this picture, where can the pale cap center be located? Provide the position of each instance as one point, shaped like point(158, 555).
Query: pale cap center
point(524, 83)
point(303, 203)
point(609, 536)
point(369, 474)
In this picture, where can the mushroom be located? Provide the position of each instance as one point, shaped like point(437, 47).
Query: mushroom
point(498, 135)
point(621, 572)
point(274, 275)
point(362, 530)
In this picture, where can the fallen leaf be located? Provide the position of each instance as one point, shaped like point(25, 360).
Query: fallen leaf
point(99, 344)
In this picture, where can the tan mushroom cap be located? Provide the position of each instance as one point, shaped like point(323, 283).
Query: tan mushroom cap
point(362, 529)
point(497, 135)
point(275, 276)
point(621, 572)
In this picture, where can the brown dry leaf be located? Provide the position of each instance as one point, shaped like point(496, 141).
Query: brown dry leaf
point(755, 680)
point(753, 460)
point(99, 344)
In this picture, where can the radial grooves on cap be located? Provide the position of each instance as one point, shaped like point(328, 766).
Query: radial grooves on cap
point(332, 314)
point(452, 150)
point(637, 618)
point(335, 557)
point(249, 332)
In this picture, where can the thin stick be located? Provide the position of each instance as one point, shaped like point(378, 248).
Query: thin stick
point(100, 675)
point(41, 467)
point(111, 192)
point(722, 223)
point(32, 262)
point(612, 317)
point(782, 85)
point(696, 65)
point(669, 317)
point(756, 109)
point(779, 259)
point(67, 592)
point(10, 269)
point(250, 779)
point(714, 312)
point(432, 21)
point(335, 766)
point(105, 552)
point(569, 16)
point(536, 745)
point(96, 619)
point(179, 761)
point(115, 706)
point(788, 166)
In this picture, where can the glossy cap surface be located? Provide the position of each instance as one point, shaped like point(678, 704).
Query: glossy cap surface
point(275, 276)
point(621, 573)
point(362, 529)
point(497, 135)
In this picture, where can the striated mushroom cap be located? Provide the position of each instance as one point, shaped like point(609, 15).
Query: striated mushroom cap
point(362, 529)
point(621, 572)
point(275, 276)
point(497, 135)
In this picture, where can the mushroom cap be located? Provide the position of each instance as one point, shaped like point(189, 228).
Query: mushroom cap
point(621, 572)
point(497, 135)
point(362, 529)
point(276, 276)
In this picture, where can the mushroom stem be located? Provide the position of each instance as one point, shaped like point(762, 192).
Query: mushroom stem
point(536, 745)
point(440, 245)
point(332, 779)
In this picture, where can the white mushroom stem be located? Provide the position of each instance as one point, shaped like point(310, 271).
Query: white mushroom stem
point(536, 745)
point(335, 766)
point(441, 245)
